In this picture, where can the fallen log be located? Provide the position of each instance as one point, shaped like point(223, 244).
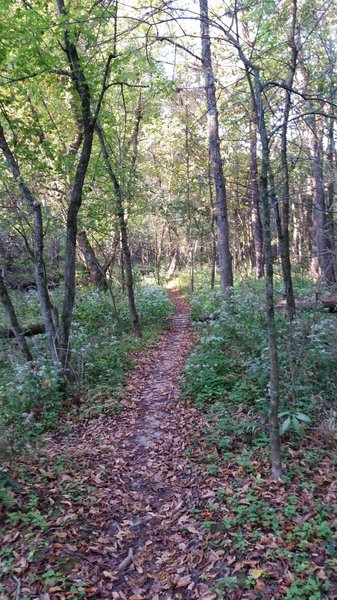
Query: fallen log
point(329, 302)
point(27, 331)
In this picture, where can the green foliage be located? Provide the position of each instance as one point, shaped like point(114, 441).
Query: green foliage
point(32, 398)
point(232, 344)
point(294, 421)
point(309, 590)
point(228, 372)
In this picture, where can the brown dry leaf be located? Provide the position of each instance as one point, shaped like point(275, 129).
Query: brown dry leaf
point(184, 581)
point(21, 566)
point(256, 573)
point(260, 585)
point(110, 575)
point(288, 577)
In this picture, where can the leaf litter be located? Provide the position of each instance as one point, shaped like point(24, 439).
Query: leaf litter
point(126, 509)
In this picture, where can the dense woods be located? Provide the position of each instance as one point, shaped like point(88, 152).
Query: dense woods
point(173, 146)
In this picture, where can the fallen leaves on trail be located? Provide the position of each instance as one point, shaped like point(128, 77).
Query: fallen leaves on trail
point(124, 508)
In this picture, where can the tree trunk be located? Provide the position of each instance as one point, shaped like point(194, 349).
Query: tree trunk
point(96, 272)
point(324, 246)
point(124, 236)
point(49, 312)
point(284, 230)
point(283, 239)
point(88, 120)
point(75, 201)
point(255, 201)
point(274, 387)
point(225, 258)
point(213, 255)
point(26, 331)
point(174, 261)
point(14, 323)
point(331, 226)
point(188, 200)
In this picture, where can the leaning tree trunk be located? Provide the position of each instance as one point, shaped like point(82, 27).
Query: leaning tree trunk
point(174, 261)
point(225, 258)
point(14, 323)
point(49, 313)
point(96, 272)
point(124, 236)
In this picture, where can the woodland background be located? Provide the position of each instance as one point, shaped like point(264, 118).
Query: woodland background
point(179, 143)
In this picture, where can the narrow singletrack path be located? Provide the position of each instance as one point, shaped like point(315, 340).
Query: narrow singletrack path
point(125, 524)
point(153, 485)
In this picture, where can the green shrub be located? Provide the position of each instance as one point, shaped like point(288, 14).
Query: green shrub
point(230, 363)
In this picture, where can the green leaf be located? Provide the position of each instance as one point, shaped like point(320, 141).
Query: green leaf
point(302, 417)
point(297, 425)
point(285, 425)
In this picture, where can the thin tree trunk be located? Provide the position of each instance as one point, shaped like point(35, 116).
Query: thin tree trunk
point(285, 238)
point(158, 253)
point(323, 241)
point(124, 236)
point(255, 202)
point(274, 386)
point(225, 258)
point(331, 226)
point(96, 272)
point(14, 323)
point(213, 256)
point(76, 193)
point(174, 261)
point(188, 200)
point(49, 313)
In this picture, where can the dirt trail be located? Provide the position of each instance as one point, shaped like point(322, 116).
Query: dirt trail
point(157, 533)
point(121, 494)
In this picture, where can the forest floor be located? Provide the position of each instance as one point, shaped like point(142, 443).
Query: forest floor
point(127, 507)
point(120, 495)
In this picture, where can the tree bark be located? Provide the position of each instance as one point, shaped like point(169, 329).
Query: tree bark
point(255, 201)
point(27, 331)
point(188, 199)
point(49, 313)
point(274, 386)
point(124, 235)
point(225, 258)
point(284, 237)
point(174, 261)
point(14, 323)
point(96, 272)
point(331, 226)
point(213, 232)
point(75, 201)
point(324, 243)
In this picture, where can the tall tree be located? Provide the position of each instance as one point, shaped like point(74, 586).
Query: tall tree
point(225, 258)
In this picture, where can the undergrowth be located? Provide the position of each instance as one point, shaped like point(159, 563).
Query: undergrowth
point(229, 368)
point(272, 533)
point(31, 397)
